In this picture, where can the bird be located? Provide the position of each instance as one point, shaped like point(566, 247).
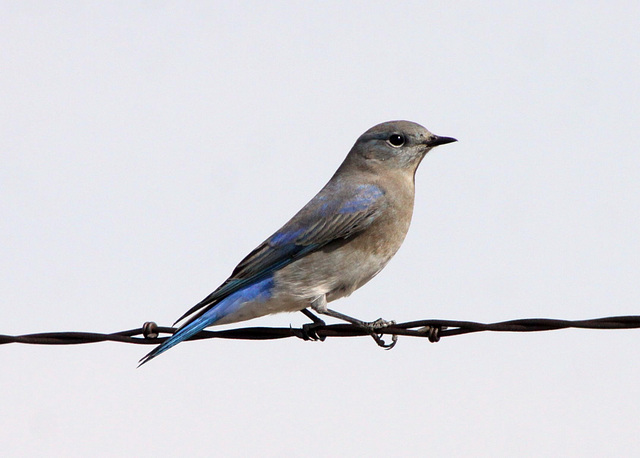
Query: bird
point(336, 243)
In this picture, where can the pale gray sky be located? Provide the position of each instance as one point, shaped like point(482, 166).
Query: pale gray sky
point(146, 147)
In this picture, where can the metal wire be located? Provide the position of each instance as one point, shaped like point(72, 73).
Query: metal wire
point(433, 330)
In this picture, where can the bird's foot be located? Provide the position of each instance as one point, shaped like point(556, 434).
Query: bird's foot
point(370, 327)
point(381, 343)
point(377, 337)
point(309, 330)
point(379, 324)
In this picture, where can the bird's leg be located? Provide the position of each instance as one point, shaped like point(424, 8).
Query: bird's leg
point(309, 329)
point(309, 314)
point(320, 306)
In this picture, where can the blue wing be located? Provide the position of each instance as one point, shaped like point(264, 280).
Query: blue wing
point(337, 212)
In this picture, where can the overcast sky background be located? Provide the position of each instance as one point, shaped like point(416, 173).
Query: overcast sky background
point(146, 147)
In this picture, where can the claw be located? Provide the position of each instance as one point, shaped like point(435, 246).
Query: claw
point(309, 331)
point(382, 343)
point(379, 324)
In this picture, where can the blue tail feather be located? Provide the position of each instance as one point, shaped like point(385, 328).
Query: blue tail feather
point(260, 291)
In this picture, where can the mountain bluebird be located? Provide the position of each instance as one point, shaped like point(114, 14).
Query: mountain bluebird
point(338, 242)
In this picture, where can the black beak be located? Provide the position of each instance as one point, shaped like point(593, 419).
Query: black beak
point(436, 141)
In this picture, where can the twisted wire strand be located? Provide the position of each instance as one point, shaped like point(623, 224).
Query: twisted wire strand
point(433, 330)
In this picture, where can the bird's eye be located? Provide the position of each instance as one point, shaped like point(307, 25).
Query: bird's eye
point(396, 140)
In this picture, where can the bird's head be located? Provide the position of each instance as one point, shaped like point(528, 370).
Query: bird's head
point(399, 145)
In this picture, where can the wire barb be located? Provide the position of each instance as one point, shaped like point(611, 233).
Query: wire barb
point(433, 330)
point(150, 330)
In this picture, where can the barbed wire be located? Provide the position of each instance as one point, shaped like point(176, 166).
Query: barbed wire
point(433, 330)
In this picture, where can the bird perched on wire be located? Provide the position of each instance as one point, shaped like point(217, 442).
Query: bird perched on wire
point(338, 242)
